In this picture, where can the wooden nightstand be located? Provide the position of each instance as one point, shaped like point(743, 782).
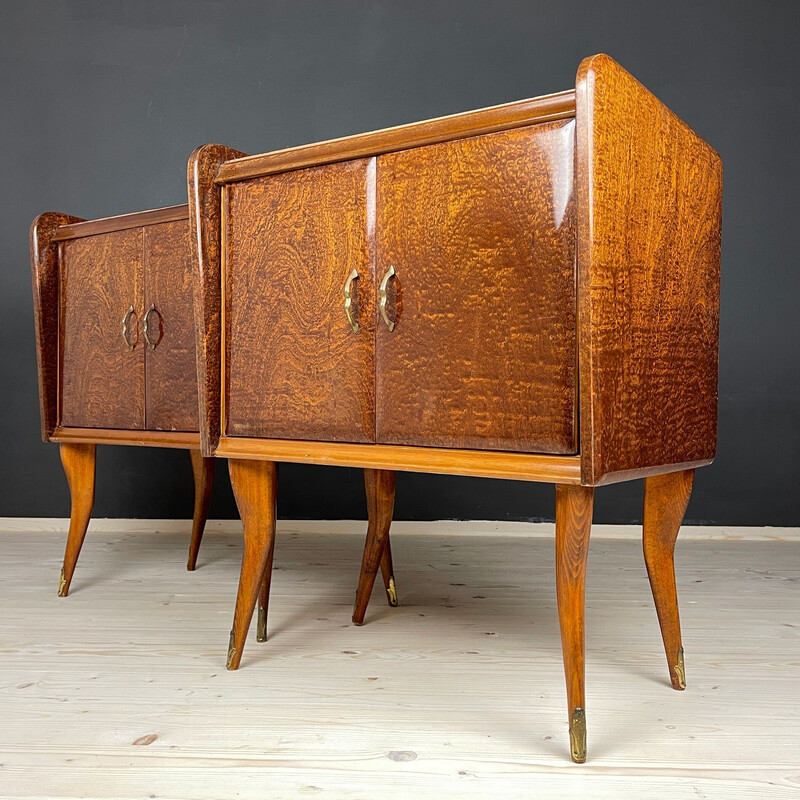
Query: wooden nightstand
point(529, 291)
point(115, 338)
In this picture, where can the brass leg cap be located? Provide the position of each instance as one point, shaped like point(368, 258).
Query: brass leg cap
point(261, 627)
point(680, 672)
point(231, 654)
point(577, 735)
point(391, 592)
point(62, 584)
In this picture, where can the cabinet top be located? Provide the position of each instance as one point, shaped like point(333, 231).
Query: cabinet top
point(402, 137)
point(92, 227)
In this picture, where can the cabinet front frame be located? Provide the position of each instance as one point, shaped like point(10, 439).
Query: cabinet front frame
point(79, 229)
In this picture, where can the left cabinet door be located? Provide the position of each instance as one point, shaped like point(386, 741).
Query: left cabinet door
point(296, 365)
point(102, 365)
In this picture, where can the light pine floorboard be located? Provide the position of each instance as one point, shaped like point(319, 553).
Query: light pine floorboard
point(120, 690)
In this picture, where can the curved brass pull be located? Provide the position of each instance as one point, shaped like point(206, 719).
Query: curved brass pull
point(151, 343)
point(126, 328)
point(382, 293)
point(348, 301)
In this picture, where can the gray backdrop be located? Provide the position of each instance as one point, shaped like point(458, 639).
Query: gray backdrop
point(102, 102)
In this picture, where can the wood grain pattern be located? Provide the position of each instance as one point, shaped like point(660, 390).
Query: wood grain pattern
point(203, 472)
point(180, 439)
point(573, 525)
point(485, 464)
point(255, 486)
point(77, 228)
point(380, 489)
point(44, 272)
point(649, 209)
point(665, 501)
point(102, 381)
point(79, 462)
point(206, 248)
point(295, 368)
point(402, 137)
point(171, 368)
point(481, 236)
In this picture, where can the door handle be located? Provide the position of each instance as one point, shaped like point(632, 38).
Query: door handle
point(382, 293)
point(151, 343)
point(126, 328)
point(348, 301)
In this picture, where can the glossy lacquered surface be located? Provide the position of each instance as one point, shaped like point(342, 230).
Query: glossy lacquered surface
point(480, 233)
point(649, 199)
point(114, 374)
point(295, 367)
point(476, 345)
point(102, 284)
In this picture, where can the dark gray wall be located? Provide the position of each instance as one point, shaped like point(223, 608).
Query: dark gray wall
point(102, 101)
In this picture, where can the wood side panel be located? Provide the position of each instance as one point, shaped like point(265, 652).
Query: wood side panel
point(102, 381)
point(44, 272)
point(294, 366)
point(403, 137)
point(649, 196)
point(480, 463)
point(172, 366)
point(481, 236)
point(206, 250)
point(79, 228)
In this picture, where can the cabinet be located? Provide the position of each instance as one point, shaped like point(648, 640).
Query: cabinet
point(115, 334)
point(529, 291)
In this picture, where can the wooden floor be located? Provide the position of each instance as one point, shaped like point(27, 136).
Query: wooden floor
point(120, 690)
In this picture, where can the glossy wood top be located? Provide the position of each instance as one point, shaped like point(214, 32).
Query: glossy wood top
point(122, 222)
point(442, 129)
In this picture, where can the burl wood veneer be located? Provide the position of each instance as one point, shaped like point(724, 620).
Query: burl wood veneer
point(528, 291)
point(115, 334)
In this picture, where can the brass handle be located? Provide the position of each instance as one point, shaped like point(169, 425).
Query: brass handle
point(126, 328)
point(382, 293)
point(151, 343)
point(348, 301)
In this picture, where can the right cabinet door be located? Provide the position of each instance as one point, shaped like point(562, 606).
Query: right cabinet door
point(170, 363)
point(480, 235)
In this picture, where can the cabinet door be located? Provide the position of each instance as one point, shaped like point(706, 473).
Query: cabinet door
point(171, 367)
point(480, 233)
point(295, 368)
point(102, 380)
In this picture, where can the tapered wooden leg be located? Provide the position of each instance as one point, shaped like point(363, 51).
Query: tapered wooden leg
point(203, 469)
point(380, 486)
point(665, 501)
point(573, 525)
point(79, 466)
point(255, 486)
